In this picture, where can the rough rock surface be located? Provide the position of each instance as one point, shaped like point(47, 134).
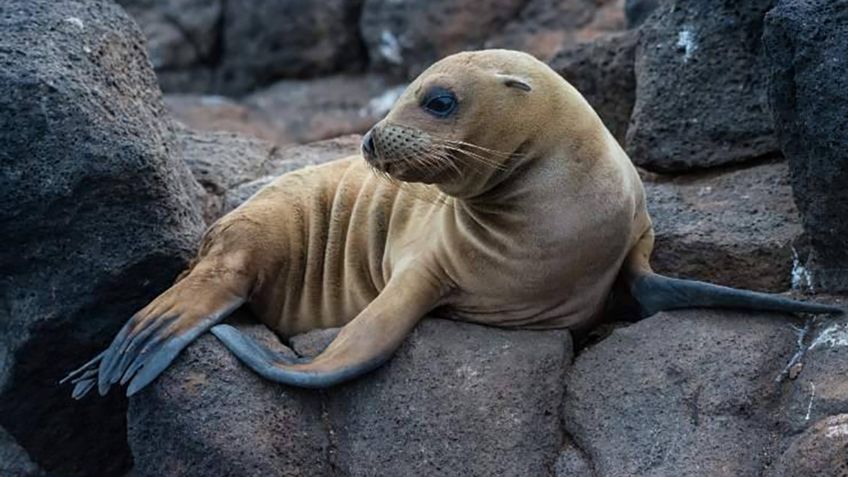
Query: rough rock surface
point(457, 399)
point(684, 393)
point(734, 227)
point(602, 70)
point(807, 46)
point(701, 86)
point(545, 26)
point(210, 415)
point(822, 450)
point(14, 461)
point(94, 213)
point(637, 11)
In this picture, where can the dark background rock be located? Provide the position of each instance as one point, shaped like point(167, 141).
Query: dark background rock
point(807, 46)
point(701, 86)
point(264, 40)
point(733, 227)
point(14, 461)
point(457, 399)
point(210, 415)
point(544, 26)
point(94, 214)
point(404, 37)
point(602, 70)
point(637, 11)
point(682, 393)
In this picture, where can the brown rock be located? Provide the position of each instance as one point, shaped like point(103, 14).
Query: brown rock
point(822, 451)
point(602, 70)
point(736, 228)
point(457, 399)
point(217, 113)
point(681, 393)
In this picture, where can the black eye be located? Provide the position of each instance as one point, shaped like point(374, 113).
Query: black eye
point(439, 102)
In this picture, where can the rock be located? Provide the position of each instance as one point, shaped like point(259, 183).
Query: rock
point(637, 11)
point(294, 111)
point(217, 113)
point(807, 50)
point(14, 461)
point(820, 389)
point(701, 87)
point(221, 161)
point(210, 415)
point(573, 463)
point(602, 70)
point(457, 399)
point(306, 111)
point(822, 450)
point(681, 393)
point(289, 159)
point(96, 216)
point(404, 37)
point(265, 40)
point(545, 26)
point(735, 228)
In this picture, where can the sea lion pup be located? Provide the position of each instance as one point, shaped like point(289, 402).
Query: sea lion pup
point(524, 213)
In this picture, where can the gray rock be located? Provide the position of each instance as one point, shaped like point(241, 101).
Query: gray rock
point(265, 40)
point(602, 70)
point(14, 461)
point(210, 415)
point(404, 37)
point(701, 87)
point(572, 462)
point(637, 11)
point(807, 50)
point(289, 159)
point(457, 399)
point(822, 450)
point(733, 227)
point(683, 393)
point(95, 213)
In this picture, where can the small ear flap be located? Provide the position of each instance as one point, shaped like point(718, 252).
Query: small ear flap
point(515, 82)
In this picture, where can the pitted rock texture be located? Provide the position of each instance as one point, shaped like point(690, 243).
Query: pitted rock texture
point(701, 97)
point(807, 50)
point(821, 450)
point(683, 393)
point(94, 212)
point(602, 70)
point(734, 227)
point(456, 399)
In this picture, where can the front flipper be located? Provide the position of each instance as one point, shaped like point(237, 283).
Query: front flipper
point(154, 336)
point(361, 345)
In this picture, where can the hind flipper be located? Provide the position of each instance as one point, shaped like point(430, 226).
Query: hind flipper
point(154, 336)
point(361, 345)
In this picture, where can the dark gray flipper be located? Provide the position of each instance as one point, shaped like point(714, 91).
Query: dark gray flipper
point(278, 367)
point(656, 293)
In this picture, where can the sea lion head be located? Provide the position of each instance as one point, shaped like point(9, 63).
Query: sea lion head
point(467, 121)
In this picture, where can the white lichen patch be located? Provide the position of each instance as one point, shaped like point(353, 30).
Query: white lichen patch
point(802, 278)
point(834, 336)
point(389, 47)
point(379, 106)
point(839, 430)
point(76, 22)
point(688, 42)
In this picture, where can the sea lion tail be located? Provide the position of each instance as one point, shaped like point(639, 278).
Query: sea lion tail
point(656, 292)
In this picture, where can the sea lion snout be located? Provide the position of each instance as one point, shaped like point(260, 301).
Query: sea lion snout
point(368, 145)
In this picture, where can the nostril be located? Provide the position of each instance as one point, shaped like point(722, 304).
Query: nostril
point(368, 143)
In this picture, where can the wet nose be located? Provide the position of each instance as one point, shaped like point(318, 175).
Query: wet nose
point(368, 144)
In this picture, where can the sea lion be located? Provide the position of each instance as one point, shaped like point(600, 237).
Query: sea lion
point(509, 204)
